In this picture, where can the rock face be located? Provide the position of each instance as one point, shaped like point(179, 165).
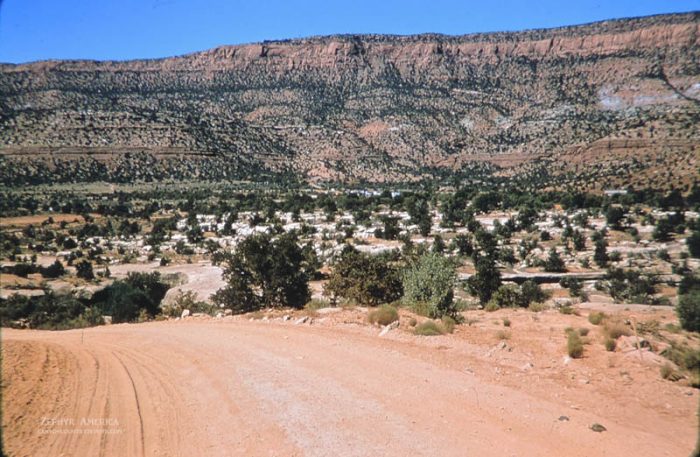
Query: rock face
point(602, 104)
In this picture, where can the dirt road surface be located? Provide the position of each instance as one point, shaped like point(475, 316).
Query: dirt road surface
point(225, 388)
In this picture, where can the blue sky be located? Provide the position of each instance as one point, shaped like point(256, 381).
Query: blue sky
point(125, 29)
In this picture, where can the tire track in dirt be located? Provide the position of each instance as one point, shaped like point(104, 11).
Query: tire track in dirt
point(138, 405)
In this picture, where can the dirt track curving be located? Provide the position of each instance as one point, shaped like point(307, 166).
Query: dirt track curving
point(253, 388)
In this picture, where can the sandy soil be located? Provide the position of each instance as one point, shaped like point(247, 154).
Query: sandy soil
point(37, 219)
point(239, 387)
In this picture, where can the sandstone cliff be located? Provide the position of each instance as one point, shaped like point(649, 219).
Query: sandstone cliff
point(604, 104)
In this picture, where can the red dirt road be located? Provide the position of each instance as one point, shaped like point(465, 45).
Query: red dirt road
point(253, 388)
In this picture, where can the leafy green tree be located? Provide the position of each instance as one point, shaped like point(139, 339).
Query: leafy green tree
point(391, 228)
point(527, 216)
point(600, 255)
point(485, 201)
point(194, 234)
point(574, 285)
point(419, 211)
point(688, 310)
point(152, 285)
point(663, 229)
point(438, 244)
point(363, 278)
point(54, 270)
point(507, 296)
point(464, 243)
point(579, 240)
point(424, 226)
point(123, 302)
point(311, 260)
point(614, 216)
point(486, 280)
point(125, 299)
point(263, 272)
point(554, 262)
point(532, 293)
point(630, 286)
point(487, 242)
point(83, 270)
point(429, 283)
point(693, 243)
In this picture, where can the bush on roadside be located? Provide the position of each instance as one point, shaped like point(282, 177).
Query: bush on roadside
point(384, 315)
point(431, 281)
point(448, 324)
point(429, 328)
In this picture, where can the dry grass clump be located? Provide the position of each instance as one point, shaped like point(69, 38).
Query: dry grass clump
point(536, 307)
point(384, 315)
point(256, 315)
point(669, 373)
point(596, 317)
point(568, 310)
point(315, 304)
point(615, 330)
point(491, 307)
point(610, 344)
point(574, 345)
point(503, 335)
point(429, 328)
point(448, 324)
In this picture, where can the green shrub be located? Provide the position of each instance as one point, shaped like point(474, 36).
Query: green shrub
point(429, 328)
point(610, 344)
point(431, 281)
point(84, 270)
point(583, 331)
point(363, 278)
point(448, 324)
point(124, 299)
point(506, 322)
point(596, 317)
point(536, 307)
point(688, 310)
point(566, 309)
point(315, 304)
point(532, 293)
point(491, 306)
point(615, 330)
point(554, 262)
point(264, 272)
point(384, 315)
point(487, 278)
point(683, 356)
point(574, 345)
point(188, 300)
point(507, 296)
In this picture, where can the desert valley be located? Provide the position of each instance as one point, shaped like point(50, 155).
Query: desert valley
point(357, 245)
